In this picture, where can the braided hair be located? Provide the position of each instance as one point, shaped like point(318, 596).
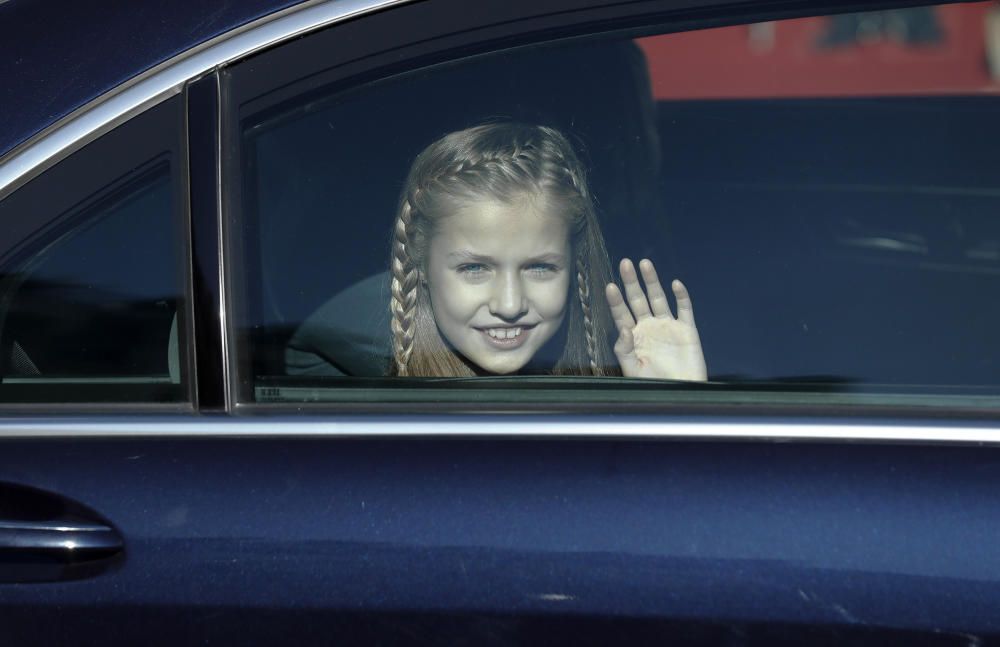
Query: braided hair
point(500, 161)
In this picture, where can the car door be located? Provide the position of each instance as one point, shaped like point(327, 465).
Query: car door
point(200, 442)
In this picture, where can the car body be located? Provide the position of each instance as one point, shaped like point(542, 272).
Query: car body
point(835, 481)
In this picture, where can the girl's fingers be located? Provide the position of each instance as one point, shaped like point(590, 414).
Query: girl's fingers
point(625, 350)
point(626, 343)
point(619, 310)
point(636, 297)
point(657, 297)
point(685, 309)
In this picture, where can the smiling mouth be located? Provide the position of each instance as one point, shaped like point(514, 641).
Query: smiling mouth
point(506, 337)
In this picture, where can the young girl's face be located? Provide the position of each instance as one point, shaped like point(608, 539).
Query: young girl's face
point(498, 277)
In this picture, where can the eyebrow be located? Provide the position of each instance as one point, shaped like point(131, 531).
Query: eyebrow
point(466, 255)
point(469, 256)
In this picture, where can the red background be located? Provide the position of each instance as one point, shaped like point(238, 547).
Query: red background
point(726, 63)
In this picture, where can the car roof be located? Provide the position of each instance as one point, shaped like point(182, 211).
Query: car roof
point(56, 55)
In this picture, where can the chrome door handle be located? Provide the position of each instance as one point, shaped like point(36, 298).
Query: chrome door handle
point(68, 543)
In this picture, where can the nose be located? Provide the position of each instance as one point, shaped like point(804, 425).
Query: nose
point(507, 300)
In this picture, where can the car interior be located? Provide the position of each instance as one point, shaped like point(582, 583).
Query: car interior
point(329, 178)
point(100, 299)
point(824, 241)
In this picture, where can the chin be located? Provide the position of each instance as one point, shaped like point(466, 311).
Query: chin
point(503, 367)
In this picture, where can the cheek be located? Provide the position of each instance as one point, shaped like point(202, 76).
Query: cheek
point(551, 298)
point(453, 298)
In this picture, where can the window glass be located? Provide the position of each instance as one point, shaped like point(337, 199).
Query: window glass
point(90, 296)
point(826, 189)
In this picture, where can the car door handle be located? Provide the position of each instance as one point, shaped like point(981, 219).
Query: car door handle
point(66, 541)
point(45, 537)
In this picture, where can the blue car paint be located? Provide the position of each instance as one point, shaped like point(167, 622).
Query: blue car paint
point(833, 536)
point(55, 58)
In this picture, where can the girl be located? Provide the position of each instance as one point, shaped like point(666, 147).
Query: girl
point(498, 263)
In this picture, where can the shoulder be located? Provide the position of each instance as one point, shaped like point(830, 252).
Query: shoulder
point(347, 335)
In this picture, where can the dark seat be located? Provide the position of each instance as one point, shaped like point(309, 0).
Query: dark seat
point(348, 335)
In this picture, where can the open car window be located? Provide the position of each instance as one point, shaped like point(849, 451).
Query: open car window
point(826, 188)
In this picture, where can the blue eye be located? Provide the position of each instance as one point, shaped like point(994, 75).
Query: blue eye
point(471, 268)
point(543, 268)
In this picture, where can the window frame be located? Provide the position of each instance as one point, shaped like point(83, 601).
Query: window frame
point(157, 132)
point(419, 36)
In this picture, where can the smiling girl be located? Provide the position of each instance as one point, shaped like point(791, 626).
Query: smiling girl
point(495, 259)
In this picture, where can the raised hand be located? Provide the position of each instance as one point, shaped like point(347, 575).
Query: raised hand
point(651, 342)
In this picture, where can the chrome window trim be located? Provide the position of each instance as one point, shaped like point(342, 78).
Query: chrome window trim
point(228, 371)
point(482, 427)
point(166, 79)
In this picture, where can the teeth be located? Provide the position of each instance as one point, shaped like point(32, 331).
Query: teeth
point(504, 333)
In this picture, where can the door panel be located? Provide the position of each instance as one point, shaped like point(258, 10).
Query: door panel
point(500, 542)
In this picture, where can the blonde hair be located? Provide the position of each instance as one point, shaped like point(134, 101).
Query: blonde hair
point(500, 161)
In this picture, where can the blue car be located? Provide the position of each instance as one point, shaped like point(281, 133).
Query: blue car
point(325, 322)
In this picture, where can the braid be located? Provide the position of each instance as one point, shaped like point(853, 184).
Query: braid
point(403, 303)
point(505, 160)
point(583, 288)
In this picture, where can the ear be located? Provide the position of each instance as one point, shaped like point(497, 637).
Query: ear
point(423, 277)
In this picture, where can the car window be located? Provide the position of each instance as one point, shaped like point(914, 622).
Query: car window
point(91, 273)
point(825, 188)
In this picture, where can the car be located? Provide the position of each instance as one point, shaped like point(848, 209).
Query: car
point(209, 428)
